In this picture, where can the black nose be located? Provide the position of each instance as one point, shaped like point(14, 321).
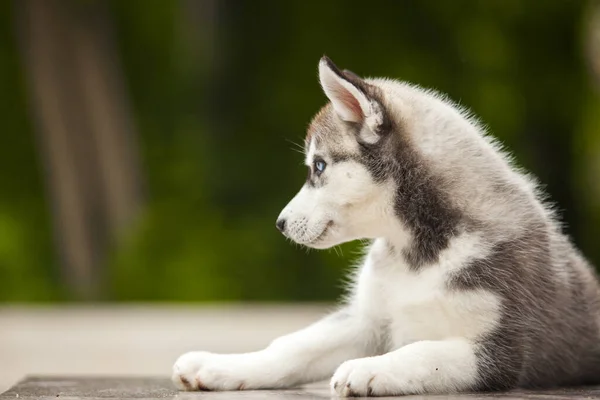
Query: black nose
point(280, 224)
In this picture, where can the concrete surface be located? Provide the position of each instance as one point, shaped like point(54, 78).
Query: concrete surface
point(73, 388)
point(135, 340)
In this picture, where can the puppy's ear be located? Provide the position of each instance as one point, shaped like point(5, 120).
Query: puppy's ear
point(348, 95)
point(351, 75)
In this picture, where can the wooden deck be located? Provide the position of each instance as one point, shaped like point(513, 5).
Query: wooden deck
point(74, 388)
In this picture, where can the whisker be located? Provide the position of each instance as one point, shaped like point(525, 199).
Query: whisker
point(296, 146)
point(339, 251)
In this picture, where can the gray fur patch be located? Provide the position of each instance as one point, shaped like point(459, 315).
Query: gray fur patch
point(419, 202)
point(548, 332)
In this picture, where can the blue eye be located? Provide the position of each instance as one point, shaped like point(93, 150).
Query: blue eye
point(320, 166)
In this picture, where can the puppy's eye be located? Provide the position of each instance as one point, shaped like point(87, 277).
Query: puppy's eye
point(319, 166)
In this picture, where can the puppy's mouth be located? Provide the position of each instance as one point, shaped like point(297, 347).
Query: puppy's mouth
point(321, 235)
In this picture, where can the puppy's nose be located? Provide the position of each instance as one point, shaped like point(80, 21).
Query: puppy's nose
point(280, 224)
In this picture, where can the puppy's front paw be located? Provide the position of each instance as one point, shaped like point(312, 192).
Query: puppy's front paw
point(360, 378)
point(206, 371)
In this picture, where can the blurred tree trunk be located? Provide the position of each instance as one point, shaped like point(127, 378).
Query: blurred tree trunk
point(86, 136)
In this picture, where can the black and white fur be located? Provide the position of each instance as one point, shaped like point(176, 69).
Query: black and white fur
point(469, 283)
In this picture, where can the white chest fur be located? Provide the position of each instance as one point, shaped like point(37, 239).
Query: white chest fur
point(416, 306)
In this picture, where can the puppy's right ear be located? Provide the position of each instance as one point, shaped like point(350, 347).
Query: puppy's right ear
point(347, 94)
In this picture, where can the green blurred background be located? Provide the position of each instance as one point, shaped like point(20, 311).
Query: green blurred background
point(148, 144)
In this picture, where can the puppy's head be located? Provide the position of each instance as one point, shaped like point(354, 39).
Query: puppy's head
point(344, 198)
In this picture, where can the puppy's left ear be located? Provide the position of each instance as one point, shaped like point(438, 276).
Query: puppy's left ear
point(350, 100)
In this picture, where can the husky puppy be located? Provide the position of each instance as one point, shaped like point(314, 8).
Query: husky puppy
point(469, 283)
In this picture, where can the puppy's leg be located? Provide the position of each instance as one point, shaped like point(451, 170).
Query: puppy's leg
point(422, 367)
point(308, 355)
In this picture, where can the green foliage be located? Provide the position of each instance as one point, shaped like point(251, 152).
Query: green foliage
point(215, 127)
